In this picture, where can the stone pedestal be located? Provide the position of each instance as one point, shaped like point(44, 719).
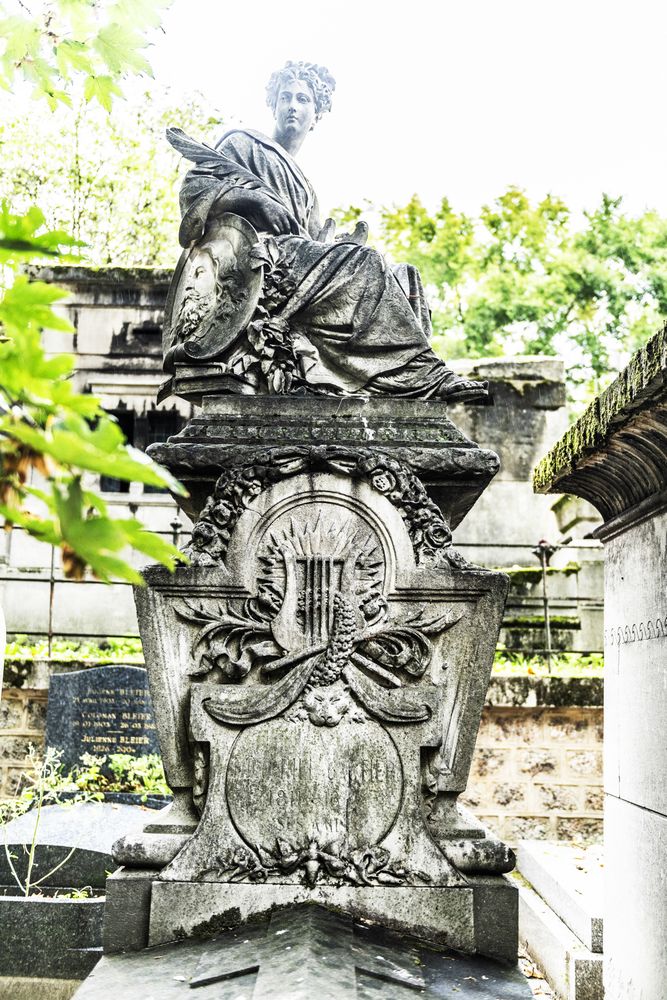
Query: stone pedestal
point(615, 456)
point(318, 675)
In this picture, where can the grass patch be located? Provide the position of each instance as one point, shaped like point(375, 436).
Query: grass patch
point(24, 649)
point(562, 665)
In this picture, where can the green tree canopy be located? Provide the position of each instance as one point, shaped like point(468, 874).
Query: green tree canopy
point(108, 179)
point(527, 278)
point(44, 425)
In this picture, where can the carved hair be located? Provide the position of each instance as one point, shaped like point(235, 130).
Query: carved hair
point(318, 78)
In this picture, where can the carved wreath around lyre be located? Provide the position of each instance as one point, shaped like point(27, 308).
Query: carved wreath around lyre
point(429, 532)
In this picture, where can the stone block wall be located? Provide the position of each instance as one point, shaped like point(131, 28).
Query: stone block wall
point(536, 772)
point(22, 722)
point(537, 769)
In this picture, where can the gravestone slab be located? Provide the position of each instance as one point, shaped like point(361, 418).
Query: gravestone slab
point(102, 710)
point(318, 674)
point(90, 827)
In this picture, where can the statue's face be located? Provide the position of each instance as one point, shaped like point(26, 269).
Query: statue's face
point(295, 109)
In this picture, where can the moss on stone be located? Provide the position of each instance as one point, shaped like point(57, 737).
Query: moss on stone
point(609, 411)
point(532, 575)
point(537, 621)
point(553, 692)
point(66, 274)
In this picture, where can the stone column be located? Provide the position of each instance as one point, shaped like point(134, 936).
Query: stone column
point(615, 456)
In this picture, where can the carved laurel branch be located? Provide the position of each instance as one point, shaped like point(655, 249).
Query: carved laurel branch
point(333, 860)
point(429, 532)
point(281, 362)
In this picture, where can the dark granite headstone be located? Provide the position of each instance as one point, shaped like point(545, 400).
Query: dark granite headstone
point(102, 710)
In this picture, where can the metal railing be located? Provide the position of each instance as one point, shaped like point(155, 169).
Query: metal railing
point(541, 599)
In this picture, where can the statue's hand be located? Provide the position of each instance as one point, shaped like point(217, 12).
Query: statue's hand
point(265, 214)
point(359, 235)
point(273, 218)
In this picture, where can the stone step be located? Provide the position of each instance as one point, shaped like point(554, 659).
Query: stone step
point(572, 971)
point(569, 880)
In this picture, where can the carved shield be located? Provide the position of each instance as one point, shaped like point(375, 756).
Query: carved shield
point(213, 293)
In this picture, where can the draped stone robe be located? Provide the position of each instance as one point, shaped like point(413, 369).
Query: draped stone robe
point(366, 325)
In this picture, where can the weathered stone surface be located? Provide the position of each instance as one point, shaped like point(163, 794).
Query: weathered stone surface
point(15, 748)
point(127, 910)
point(538, 762)
point(635, 926)
point(616, 457)
point(11, 714)
point(635, 662)
point(569, 880)
point(545, 691)
point(318, 677)
point(574, 972)
point(480, 916)
point(102, 710)
point(265, 298)
point(300, 953)
point(420, 434)
point(58, 938)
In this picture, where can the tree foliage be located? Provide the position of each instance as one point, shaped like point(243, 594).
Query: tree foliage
point(528, 278)
point(44, 425)
point(49, 45)
point(110, 180)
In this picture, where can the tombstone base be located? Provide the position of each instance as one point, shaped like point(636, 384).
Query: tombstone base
point(303, 951)
point(478, 918)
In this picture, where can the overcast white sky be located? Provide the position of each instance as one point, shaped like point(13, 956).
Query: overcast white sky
point(457, 97)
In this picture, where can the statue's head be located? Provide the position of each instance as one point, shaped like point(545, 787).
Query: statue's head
point(319, 80)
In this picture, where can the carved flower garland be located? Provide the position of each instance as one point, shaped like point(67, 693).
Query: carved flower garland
point(236, 487)
point(282, 360)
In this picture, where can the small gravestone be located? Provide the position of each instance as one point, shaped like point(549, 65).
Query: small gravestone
point(101, 711)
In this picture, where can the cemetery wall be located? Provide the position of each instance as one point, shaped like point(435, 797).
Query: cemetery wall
point(22, 722)
point(536, 772)
point(537, 768)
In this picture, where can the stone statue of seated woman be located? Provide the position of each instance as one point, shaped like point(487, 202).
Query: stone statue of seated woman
point(272, 300)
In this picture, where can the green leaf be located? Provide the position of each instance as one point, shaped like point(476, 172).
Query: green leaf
point(22, 37)
point(27, 303)
point(20, 238)
point(73, 55)
point(41, 528)
point(101, 89)
point(152, 545)
point(119, 46)
point(81, 451)
point(98, 539)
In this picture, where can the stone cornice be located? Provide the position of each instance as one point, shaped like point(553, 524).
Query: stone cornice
point(615, 455)
point(154, 277)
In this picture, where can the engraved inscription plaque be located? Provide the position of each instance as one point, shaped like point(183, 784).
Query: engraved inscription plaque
point(291, 779)
point(102, 710)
